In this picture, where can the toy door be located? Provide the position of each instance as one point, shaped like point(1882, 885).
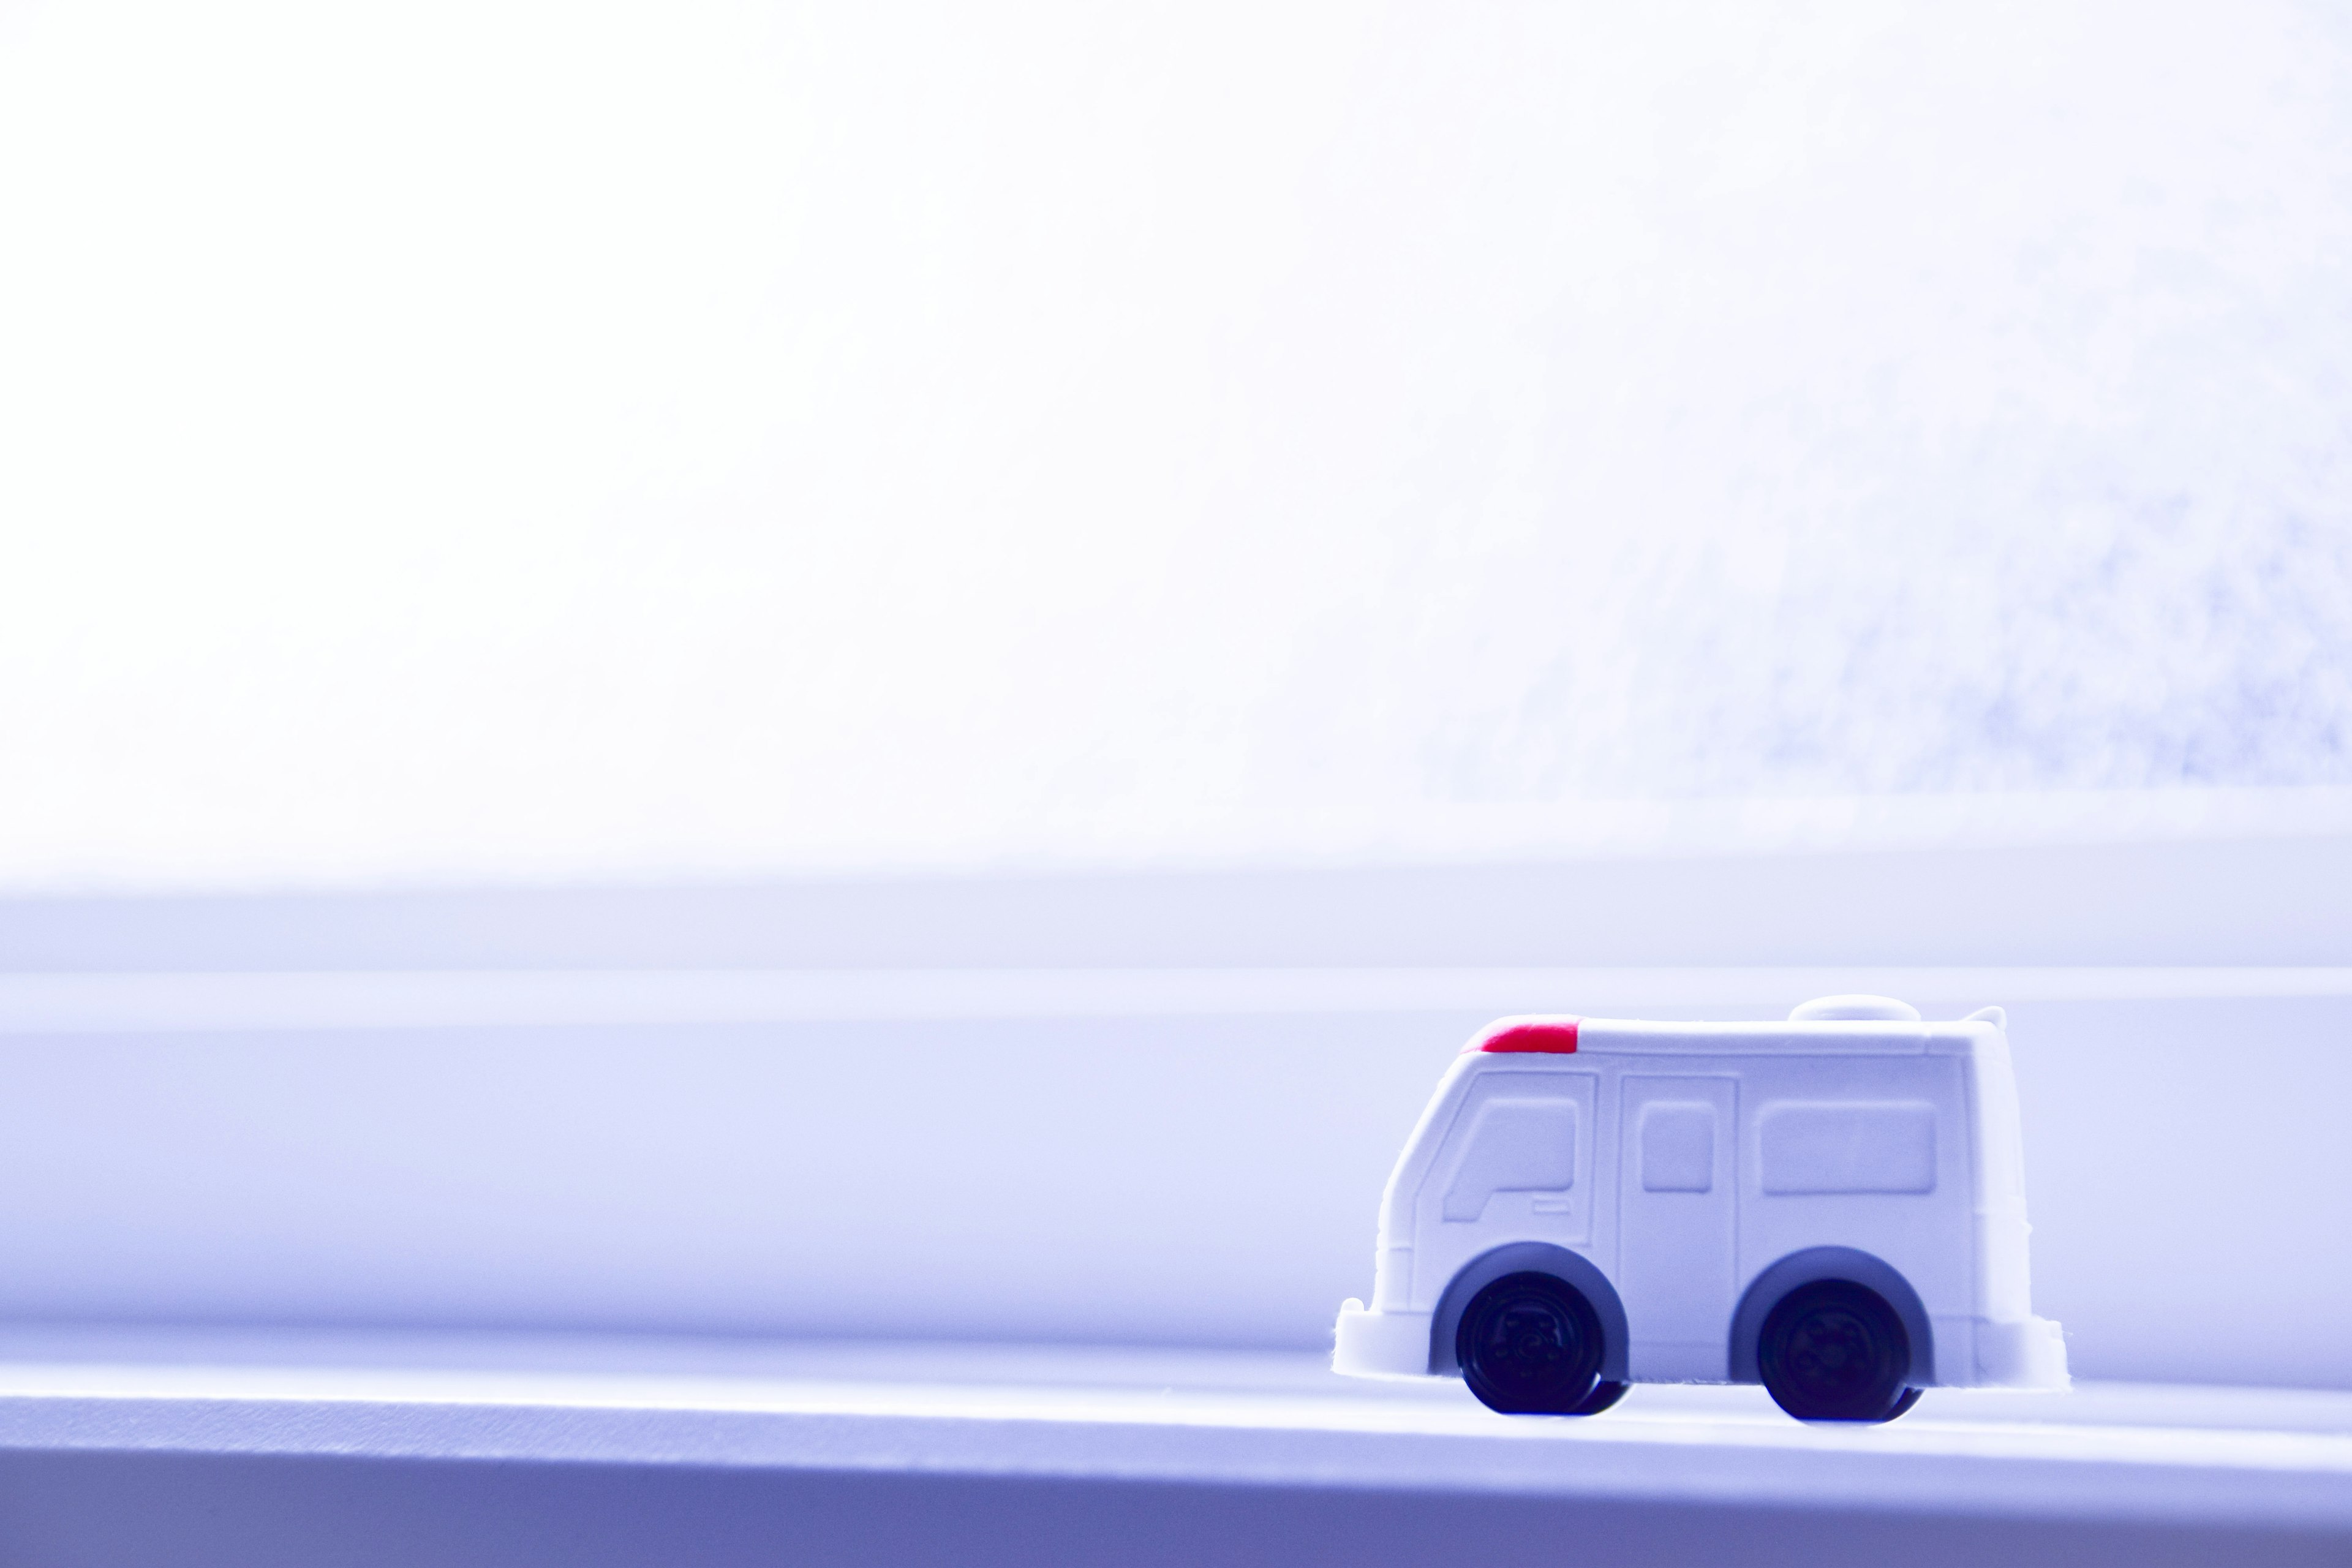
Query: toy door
point(1678, 1223)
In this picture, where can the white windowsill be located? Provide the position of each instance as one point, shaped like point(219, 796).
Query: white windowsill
point(2105, 1458)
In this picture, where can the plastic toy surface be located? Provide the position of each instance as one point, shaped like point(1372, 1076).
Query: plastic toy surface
point(1833, 1207)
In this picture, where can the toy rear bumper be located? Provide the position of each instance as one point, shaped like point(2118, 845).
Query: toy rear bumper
point(2029, 1352)
point(1381, 1344)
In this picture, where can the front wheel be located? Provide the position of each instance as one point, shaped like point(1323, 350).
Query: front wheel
point(1529, 1344)
point(1603, 1396)
point(1835, 1351)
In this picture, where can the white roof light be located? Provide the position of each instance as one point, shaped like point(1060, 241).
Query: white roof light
point(1825, 1008)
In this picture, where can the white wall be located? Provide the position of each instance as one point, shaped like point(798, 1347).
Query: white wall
point(886, 1109)
point(1128, 1178)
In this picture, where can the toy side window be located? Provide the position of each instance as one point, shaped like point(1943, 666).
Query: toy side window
point(1512, 1144)
point(1677, 1147)
point(1815, 1148)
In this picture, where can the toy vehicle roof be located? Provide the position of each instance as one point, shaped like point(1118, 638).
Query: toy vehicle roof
point(1565, 1035)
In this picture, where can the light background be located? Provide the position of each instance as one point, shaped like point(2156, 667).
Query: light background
point(698, 446)
point(492, 441)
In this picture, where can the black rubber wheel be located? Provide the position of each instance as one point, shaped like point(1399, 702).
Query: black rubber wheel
point(1529, 1344)
point(1603, 1396)
point(1834, 1351)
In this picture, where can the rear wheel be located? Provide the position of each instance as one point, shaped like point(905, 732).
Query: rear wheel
point(1529, 1344)
point(1834, 1351)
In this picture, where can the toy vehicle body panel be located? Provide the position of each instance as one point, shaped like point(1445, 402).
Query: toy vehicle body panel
point(1693, 1173)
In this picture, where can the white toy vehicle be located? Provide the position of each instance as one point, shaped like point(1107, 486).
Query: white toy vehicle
point(1833, 1206)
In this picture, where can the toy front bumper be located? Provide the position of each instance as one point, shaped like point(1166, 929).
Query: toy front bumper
point(1381, 1344)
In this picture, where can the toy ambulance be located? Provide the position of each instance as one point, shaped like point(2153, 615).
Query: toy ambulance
point(1833, 1206)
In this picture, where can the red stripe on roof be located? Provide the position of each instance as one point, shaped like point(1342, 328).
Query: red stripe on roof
point(1556, 1035)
